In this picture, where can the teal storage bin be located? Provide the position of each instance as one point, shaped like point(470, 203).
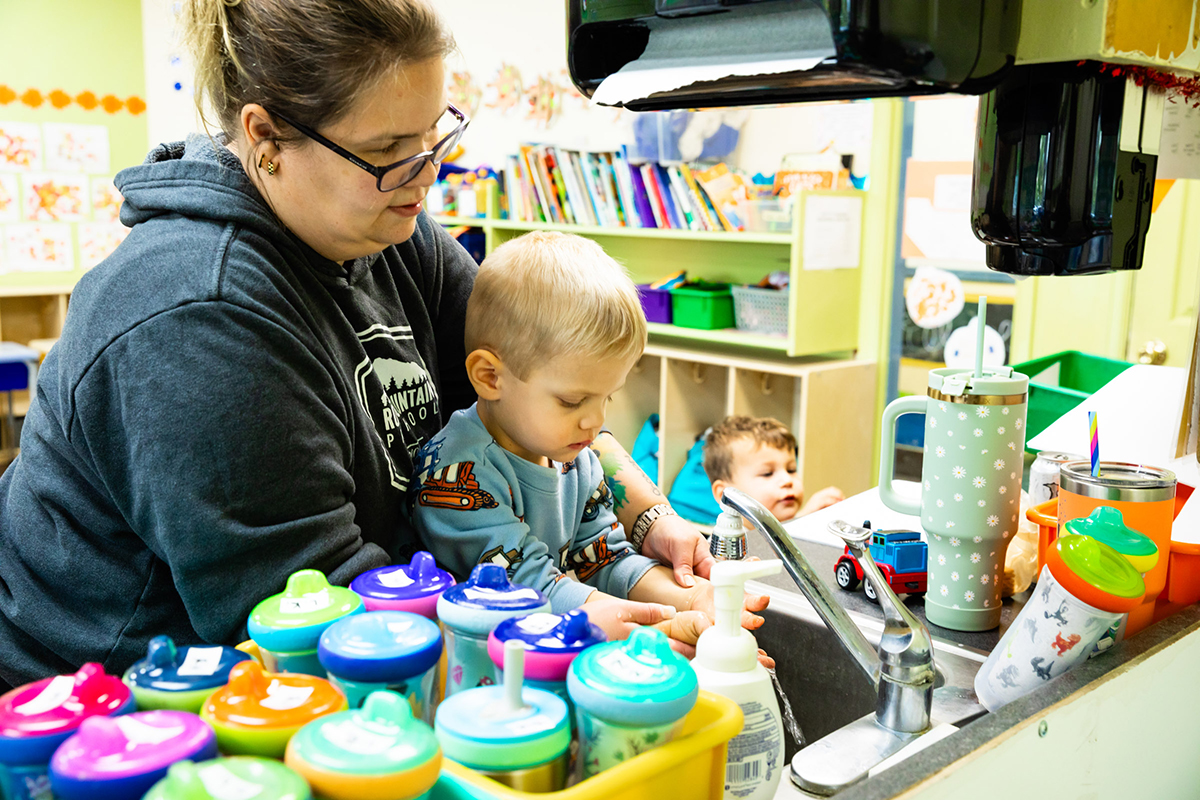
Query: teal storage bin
point(707, 306)
point(1059, 382)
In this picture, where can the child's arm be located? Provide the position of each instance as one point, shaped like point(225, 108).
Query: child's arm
point(599, 553)
point(464, 515)
point(822, 499)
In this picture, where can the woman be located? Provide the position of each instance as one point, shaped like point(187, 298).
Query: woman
point(240, 388)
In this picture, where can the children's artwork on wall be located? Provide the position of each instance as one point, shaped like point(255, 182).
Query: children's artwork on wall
point(33, 247)
point(506, 89)
point(544, 101)
point(97, 240)
point(934, 297)
point(20, 147)
point(75, 148)
point(464, 93)
point(56, 197)
point(10, 196)
point(106, 200)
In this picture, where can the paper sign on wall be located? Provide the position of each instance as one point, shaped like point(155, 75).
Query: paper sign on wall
point(75, 148)
point(57, 197)
point(1179, 148)
point(20, 147)
point(10, 199)
point(33, 247)
point(832, 237)
point(937, 216)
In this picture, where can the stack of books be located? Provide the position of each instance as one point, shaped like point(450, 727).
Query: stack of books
point(544, 183)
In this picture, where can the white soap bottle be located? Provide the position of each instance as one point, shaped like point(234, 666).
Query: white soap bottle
point(726, 663)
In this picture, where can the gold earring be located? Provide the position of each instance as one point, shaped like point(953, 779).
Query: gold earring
point(270, 167)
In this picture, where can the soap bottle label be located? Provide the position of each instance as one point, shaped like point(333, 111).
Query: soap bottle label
point(753, 753)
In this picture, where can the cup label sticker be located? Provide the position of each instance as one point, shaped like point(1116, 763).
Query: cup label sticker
point(356, 739)
point(138, 732)
point(622, 665)
point(540, 623)
point(202, 661)
point(282, 697)
point(305, 604)
point(534, 724)
point(53, 696)
point(224, 785)
point(396, 579)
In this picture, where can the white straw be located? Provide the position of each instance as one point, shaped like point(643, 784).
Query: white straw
point(982, 326)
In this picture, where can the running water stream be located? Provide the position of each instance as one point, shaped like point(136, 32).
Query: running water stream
point(789, 719)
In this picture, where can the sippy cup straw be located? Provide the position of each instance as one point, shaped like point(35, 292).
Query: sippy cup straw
point(514, 678)
point(1094, 433)
point(980, 329)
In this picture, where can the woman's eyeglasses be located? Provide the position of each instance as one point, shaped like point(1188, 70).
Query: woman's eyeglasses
point(390, 177)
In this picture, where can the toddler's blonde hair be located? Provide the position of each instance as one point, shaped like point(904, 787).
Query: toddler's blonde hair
point(546, 295)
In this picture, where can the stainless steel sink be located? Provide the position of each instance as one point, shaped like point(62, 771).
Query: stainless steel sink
point(827, 689)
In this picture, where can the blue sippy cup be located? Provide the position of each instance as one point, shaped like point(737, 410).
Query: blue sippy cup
point(630, 697)
point(180, 678)
point(551, 642)
point(383, 650)
point(470, 611)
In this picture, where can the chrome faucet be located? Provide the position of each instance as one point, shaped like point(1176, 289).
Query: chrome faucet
point(902, 671)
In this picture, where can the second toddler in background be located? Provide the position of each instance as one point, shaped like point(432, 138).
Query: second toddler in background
point(758, 456)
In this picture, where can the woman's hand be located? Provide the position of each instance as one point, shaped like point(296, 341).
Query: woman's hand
point(675, 542)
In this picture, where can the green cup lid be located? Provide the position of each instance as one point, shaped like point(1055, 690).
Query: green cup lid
point(293, 620)
point(237, 778)
point(1106, 524)
point(381, 738)
point(1098, 574)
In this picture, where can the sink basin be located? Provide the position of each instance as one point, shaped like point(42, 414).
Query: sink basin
point(827, 689)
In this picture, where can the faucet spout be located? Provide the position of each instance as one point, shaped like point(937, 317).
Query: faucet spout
point(813, 588)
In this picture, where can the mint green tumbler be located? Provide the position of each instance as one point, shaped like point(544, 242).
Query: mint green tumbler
point(970, 487)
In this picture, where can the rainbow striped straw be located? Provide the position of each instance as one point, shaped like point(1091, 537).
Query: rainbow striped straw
point(1095, 434)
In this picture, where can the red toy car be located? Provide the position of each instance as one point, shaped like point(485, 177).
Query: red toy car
point(902, 558)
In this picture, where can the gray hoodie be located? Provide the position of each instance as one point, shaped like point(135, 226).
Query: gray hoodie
point(225, 406)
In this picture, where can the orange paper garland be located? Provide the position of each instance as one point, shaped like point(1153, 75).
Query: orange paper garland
point(60, 99)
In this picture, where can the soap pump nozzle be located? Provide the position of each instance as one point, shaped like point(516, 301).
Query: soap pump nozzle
point(727, 646)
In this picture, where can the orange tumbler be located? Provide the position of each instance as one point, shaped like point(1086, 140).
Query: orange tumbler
point(1144, 495)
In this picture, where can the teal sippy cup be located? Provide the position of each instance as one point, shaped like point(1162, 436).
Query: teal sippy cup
point(470, 611)
point(287, 626)
point(630, 697)
point(513, 734)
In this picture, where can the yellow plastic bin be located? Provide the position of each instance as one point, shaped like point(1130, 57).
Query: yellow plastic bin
point(691, 766)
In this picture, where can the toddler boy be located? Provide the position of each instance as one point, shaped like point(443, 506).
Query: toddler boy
point(758, 456)
point(553, 326)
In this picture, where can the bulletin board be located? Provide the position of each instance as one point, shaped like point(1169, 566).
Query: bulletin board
point(72, 115)
point(937, 215)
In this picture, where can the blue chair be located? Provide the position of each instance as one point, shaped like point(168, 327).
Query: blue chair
point(18, 370)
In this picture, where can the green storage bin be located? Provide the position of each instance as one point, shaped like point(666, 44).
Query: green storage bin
point(708, 306)
point(1059, 382)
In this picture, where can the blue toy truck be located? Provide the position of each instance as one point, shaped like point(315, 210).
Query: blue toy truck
point(902, 558)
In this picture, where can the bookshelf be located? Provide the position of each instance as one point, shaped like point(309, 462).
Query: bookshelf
point(823, 304)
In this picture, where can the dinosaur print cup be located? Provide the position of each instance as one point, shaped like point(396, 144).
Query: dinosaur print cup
point(1084, 588)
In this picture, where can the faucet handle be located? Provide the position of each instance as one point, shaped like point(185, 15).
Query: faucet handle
point(850, 534)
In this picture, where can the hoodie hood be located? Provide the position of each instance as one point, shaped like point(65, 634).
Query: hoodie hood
point(195, 178)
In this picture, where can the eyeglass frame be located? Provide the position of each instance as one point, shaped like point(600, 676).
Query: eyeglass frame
point(380, 171)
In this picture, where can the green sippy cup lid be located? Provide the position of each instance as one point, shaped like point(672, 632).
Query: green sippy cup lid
point(1106, 524)
point(236, 778)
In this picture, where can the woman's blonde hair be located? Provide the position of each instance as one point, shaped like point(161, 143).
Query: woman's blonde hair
point(544, 295)
point(309, 60)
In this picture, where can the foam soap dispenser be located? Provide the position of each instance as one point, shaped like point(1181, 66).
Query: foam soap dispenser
point(726, 663)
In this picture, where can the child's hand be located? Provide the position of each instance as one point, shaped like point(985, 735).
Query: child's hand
point(619, 618)
point(822, 499)
point(684, 629)
point(703, 600)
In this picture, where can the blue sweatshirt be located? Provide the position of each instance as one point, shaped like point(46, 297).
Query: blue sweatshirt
point(225, 406)
point(475, 503)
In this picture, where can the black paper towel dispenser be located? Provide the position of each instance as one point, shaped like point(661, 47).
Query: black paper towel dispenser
point(875, 48)
point(1066, 153)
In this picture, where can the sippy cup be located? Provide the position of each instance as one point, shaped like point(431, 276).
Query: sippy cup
point(377, 752)
point(470, 611)
point(286, 627)
point(37, 717)
point(257, 712)
point(551, 643)
point(514, 734)
point(237, 778)
point(179, 678)
point(119, 758)
point(413, 587)
point(1083, 590)
point(630, 697)
point(380, 650)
